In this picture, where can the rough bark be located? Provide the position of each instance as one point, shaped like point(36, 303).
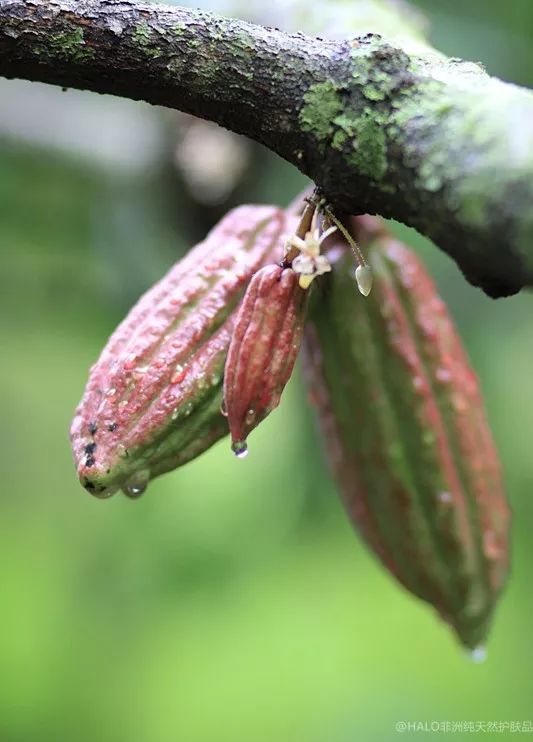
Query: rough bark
point(400, 131)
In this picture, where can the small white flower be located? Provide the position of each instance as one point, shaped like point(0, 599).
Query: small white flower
point(309, 263)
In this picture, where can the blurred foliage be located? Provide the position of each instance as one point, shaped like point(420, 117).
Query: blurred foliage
point(233, 601)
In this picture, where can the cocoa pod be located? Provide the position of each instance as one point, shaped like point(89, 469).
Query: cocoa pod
point(407, 436)
point(153, 398)
point(263, 350)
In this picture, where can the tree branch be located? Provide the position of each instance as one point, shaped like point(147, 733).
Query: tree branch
point(431, 142)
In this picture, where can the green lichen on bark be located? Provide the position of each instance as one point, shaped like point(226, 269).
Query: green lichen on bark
point(363, 143)
point(322, 103)
point(143, 36)
point(178, 29)
point(353, 113)
point(69, 47)
point(373, 92)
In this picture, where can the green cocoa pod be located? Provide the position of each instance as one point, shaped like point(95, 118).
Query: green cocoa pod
point(406, 433)
point(153, 398)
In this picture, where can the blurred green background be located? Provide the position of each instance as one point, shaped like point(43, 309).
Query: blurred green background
point(233, 601)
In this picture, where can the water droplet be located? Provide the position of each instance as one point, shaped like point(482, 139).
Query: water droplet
point(188, 409)
point(104, 494)
point(240, 449)
point(444, 496)
point(478, 654)
point(250, 417)
point(215, 379)
point(179, 375)
point(137, 484)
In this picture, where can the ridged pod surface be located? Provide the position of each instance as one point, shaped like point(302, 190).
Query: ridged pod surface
point(153, 398)
point(407, 435)
point(263, 350)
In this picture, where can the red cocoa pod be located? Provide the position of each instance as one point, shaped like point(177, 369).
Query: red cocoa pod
point(153, 398)
point(263, 350)
point(407, 436)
